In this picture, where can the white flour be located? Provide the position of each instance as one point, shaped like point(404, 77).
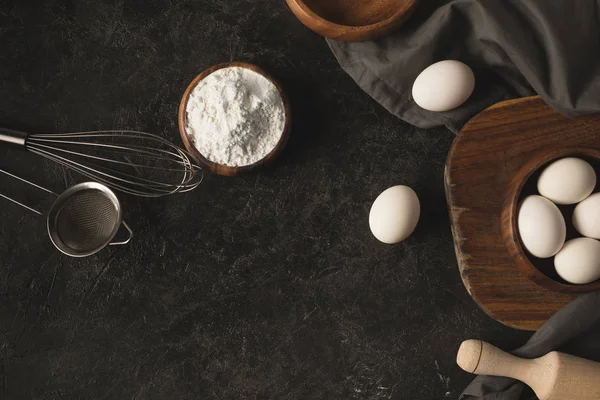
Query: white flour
point(235, 116)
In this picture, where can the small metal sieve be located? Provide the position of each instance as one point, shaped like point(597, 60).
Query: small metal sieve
point(83, 220)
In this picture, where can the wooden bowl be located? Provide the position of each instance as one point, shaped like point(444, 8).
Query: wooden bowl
point(483, 163)
point(540, 271)
point(226, 170)
point(352, 20)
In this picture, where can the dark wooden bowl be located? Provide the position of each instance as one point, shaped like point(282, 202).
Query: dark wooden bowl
point(352, 20)
point(532, 267)
point(226, 170)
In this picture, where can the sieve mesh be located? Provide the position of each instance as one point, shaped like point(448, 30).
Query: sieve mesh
point(86, 221)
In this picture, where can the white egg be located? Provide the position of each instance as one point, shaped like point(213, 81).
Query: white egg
point(586, 217)
point(541, 226)
point(567, 181)
point(443, 86)
point(579, 261)
point(395, 214)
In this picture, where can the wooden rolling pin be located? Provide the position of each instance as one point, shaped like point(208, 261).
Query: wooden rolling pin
point(555, 376)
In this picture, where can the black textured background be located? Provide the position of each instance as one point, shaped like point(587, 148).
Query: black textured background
point(264, 286)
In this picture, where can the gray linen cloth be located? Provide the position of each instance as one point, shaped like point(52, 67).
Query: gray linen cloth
point(516, 48)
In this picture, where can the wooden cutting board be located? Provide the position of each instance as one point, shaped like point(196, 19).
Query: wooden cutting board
point(486, 154)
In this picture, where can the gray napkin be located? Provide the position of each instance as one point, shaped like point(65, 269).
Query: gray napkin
point(516, 48)
point(575, 330)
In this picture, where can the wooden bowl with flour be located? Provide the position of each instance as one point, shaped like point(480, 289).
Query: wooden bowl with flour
point(189, 141)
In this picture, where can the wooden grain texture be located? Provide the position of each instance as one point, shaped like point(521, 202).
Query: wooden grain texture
point(225, 170)
point(352, 20)
point(487, 154)
point(555, 376)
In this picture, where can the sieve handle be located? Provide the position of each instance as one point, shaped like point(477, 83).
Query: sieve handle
point(126, 240)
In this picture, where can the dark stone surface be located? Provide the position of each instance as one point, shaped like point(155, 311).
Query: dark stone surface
point(264, 286)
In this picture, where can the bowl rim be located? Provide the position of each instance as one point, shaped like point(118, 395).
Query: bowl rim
point(509, 224)
point(226, 170)
point(310, 13)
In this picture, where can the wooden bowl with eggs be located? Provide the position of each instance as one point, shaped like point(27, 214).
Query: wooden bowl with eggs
point(523, 183)
point(487, 173)
point(352, 20)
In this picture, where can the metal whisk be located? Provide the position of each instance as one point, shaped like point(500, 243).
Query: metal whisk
point(132, 162)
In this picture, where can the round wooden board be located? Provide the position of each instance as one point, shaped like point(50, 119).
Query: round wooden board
point(486, 154)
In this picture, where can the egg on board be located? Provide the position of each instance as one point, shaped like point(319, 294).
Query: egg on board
point(541, 226)
point(586, 217)
point(394, 214)
point(443, 86)
point(567, 181)
point(578, 261)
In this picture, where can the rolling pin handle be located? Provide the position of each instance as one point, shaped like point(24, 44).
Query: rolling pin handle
point(469, 355)
point(478, 357)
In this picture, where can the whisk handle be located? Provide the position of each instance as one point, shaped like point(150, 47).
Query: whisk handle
point(12, 136)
